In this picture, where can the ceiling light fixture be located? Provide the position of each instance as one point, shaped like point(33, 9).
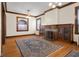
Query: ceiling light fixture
point(59, 4)
point(28, 14)
point(50, 4)
point(55, 4)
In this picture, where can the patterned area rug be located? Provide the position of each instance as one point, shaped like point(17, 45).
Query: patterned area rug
point(73, 53)
point(36, 48)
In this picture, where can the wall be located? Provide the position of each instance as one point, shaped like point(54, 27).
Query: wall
point(0, 28)
point(67, 16)
point(49, 18)
point(64, 15)
point(11, 25)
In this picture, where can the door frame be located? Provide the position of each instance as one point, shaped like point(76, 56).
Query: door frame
point(3, 25)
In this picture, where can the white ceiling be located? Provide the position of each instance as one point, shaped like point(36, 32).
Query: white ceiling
point(35, 8)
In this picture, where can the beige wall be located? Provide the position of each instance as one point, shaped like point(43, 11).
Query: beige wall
point(49, 18)
point(11, 25)
point(67, 16)
point(0, 28)
point(64, 15)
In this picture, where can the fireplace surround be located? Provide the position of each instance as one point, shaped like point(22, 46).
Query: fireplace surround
point(60, 31)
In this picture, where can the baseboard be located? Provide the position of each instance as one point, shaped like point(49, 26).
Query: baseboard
point(19, 35)
point(74, 42)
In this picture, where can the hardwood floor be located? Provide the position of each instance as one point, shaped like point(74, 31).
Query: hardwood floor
point(10, 48)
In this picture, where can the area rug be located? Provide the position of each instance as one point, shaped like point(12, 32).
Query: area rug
point(73, 53)
point(36, 48)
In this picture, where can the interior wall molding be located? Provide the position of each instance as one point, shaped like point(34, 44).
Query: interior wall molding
point(12, 12)
point(5, 6)
point(19, 35)
point(59, 24)
point(70, 3)
point(18, 13)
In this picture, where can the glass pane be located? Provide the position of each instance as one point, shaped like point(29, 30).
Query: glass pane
point(22, 27)
point(22, 24)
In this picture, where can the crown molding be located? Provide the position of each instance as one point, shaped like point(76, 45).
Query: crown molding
point(12, 12)
point(70, 3)
point(18, 13)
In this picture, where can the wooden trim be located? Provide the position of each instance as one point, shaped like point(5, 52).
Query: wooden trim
point(70, 3)
point(15, 13)
point(58, 24)
point(5, 6)
point(19, 13)
point(46, 12)
point(3, 22)
point(36, 24)
point(40, 14)
point(17, 24)
point(3, 26)
point(49, 10)
point(76, 20)
point(12, 12)
point(19, 35)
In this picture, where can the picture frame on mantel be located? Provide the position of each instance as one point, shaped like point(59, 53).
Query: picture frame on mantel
point(22, 24)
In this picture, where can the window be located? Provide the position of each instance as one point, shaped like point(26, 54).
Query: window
point(77, 20)
point(22, 24)
point(38, 24)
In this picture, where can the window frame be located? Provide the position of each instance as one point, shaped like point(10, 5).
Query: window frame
point(26, 24)
point(37, 25)
point(76, 20)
